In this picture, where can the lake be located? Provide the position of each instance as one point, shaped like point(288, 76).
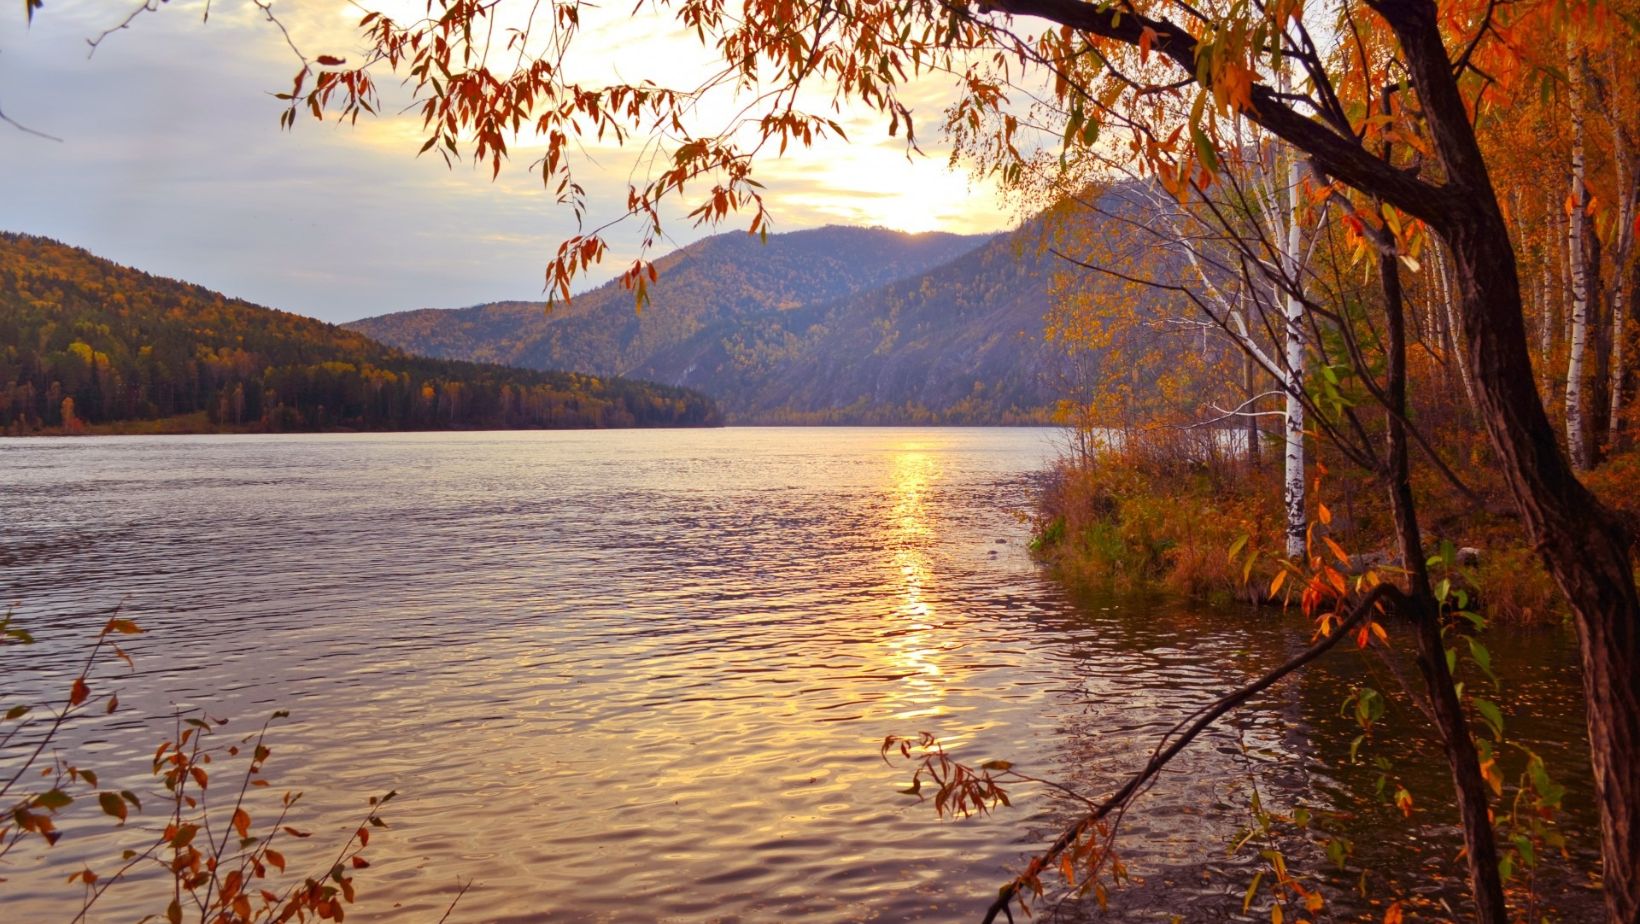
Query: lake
point(644, 675)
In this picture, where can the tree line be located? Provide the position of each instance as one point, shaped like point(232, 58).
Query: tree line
point(86, 344)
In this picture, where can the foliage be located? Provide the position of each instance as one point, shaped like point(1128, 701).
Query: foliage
point(86, 344)
point(1158, 513)
point(1379, 118)
point(222, 863)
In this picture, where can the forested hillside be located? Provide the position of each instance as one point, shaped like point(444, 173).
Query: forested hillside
point(86, 344)
point(837, 325)
point(709, 282)
point(960, 344)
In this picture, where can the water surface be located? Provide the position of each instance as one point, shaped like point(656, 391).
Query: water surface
point(643, 675)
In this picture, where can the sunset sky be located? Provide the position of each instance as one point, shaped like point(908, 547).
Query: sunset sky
point(171, 160)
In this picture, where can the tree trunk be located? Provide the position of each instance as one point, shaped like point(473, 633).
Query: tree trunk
point(1450, 345)
point(1480, 841)
point(1584, 545)
point(1292, 491)
point(1627, 190)
point(1577, 432)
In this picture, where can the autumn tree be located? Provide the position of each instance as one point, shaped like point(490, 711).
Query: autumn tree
point(1386, 103)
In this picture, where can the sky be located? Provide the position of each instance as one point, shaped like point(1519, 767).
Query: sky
point(171, 160)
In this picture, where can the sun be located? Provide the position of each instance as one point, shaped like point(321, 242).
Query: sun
point(878, 186)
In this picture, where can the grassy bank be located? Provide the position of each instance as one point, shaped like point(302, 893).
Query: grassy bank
point(1165, 515)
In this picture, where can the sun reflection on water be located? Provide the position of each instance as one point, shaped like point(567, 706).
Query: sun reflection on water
point(913, 642)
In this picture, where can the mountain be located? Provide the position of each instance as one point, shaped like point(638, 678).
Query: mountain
point(87, 344)
point(960, 343)
point(833, 325)
point(721, 278)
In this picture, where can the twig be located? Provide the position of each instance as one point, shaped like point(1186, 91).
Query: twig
point(25, 129)
point(448, 911)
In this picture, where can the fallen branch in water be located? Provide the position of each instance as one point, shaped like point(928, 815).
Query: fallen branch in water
point(1176, 740)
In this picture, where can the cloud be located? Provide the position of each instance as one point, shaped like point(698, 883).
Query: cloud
point(172, 161)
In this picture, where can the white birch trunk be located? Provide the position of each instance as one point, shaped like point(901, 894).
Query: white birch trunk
point(1576, 415)
point(1450, 345)
point(1292, 493)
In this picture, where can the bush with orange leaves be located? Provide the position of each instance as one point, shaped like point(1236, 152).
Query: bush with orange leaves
point(222, 863)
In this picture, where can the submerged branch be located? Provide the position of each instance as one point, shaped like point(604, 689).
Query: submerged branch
point(1187, 731)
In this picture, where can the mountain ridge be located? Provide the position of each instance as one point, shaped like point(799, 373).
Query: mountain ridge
point(881, 327)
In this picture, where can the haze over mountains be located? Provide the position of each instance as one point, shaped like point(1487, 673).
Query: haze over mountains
point(832, 325)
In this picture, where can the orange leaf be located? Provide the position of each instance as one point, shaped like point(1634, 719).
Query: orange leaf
point(241, 822)
point(1337, 550)
point(79, 693)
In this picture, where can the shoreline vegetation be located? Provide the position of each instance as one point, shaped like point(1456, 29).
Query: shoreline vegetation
point(1179, 513)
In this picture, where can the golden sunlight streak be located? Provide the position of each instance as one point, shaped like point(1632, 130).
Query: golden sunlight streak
point(912, 645)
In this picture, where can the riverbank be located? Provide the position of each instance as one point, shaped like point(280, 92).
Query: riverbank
point(1209, 526)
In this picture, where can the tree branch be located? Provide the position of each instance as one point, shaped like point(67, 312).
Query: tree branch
point(1170, 746)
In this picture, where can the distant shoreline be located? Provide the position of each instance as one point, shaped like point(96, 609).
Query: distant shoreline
point(133, 428)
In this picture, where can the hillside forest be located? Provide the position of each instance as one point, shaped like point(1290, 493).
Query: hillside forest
point(832, 325)
point(87, 345)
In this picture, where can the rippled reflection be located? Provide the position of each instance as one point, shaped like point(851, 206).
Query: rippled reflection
point(637, 676)
point(913, 645)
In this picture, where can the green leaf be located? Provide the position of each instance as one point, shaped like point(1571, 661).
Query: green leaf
point(1204, 149)
point(1483, 659)
point(1337, 852)
point(1492, 715)
point(53, 800)
point(1524, 844)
